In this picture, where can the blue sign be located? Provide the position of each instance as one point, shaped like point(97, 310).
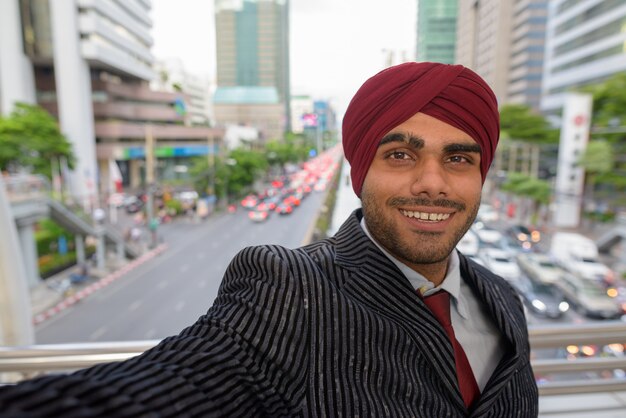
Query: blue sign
point(62, 242)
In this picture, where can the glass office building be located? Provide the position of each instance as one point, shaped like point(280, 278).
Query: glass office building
point(436, 30)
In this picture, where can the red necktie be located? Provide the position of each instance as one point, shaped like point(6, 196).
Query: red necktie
point(439, 304)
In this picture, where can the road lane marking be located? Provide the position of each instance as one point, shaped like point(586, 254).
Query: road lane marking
point(98, 333)
point(133, 306)
point(179, 306)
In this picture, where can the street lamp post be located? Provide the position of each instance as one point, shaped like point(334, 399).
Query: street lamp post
point(230, 162)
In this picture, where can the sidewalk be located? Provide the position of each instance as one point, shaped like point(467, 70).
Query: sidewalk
point(46, 301)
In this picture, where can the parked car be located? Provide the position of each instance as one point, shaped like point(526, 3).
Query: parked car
point(540, 267)
point(543, 299)
point(133, 204)
point(501, 263)
point(589, 298)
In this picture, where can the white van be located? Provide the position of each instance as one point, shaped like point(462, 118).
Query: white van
point(579, 255)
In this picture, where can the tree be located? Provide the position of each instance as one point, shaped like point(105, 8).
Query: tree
point(597, 160)
point(537, 191)
point(520, 122)
point(609, 103)
point(30, 138)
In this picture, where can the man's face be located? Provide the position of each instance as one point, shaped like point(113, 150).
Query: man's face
point(422, 192)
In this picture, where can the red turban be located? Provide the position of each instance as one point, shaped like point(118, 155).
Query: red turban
point(451, 93)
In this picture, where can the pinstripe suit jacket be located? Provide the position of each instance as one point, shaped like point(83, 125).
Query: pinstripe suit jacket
point(331, 329)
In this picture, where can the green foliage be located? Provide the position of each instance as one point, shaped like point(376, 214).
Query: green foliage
point(609, 102)
point(30, 137)
point(527, 186)
point(174, 206)
point(521, 123)
point(287, 151)
point(47, 237)
point(598, 157)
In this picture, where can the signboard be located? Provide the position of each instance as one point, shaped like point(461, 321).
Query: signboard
point(570, 176)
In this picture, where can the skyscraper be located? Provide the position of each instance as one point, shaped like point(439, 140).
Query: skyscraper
point(252, 54)
point(586, 45)
point(436, 30)
point(484, 41)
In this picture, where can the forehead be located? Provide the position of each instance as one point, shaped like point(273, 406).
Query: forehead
point(422, 130)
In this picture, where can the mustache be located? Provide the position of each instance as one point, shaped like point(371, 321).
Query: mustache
point(396, 202)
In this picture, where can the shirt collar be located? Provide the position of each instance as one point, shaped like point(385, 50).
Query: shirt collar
point(451, 283)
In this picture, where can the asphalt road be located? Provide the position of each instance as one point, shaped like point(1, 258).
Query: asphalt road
point(169, 292)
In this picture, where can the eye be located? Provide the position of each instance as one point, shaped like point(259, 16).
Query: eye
point(398, 155)
point(460, 159)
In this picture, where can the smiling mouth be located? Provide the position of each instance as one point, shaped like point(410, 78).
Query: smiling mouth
point(425, 216)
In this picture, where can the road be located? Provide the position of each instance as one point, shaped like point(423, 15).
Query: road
point(169, 292)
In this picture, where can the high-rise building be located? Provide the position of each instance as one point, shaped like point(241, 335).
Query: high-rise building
point(89, 64)
point(252, 54)
point(436, 30)
point(527, 52)
point(586, 44)
point(484, 41)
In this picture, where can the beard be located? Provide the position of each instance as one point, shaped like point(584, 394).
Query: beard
point(420, 247)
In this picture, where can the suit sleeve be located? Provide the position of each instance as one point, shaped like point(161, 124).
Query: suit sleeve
point(248, 356)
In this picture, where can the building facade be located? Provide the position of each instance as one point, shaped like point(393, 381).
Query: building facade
point(436, 30)
point(484, 41)
point(89, 64)
point(585, 45)
point(253, 50)
point(527, 52)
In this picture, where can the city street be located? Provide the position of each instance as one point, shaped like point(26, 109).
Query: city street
point(162, 296)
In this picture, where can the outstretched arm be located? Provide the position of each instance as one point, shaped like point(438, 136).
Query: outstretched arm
point(248, 356)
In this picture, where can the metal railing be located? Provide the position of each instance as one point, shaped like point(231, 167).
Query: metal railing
point(17, 363)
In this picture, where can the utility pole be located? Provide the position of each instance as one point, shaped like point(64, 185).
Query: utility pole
point(211, 161)
point(150, 164)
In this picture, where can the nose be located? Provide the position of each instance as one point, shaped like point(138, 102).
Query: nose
point(430, 179)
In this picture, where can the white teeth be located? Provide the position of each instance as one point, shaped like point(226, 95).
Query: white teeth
point(426, 216)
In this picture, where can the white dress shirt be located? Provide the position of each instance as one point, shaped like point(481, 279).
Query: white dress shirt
point(473, 328)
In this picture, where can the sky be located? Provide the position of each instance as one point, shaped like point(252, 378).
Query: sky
point(335, 44)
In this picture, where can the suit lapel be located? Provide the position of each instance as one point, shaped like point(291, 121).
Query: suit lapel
point(376, 283)
point(497, 299)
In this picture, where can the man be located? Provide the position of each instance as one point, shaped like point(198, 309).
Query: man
point(347, 326)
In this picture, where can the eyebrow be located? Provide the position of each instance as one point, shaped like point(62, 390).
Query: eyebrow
point(418, 143)
point(413, 141)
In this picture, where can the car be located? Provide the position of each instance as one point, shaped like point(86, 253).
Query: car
point(501, 263)
point(258, 215)
point(540, 267)
point(292, 200)
point(486, 234)
point(486, 213)
point(526, 238)
point(249, 201)
point(579, 255)
point(589, 298)
point(284, 209)
point(468, 245)
point(543, 299)
point(133, 204)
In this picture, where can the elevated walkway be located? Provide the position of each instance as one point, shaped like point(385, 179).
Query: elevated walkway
point(78, 225)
